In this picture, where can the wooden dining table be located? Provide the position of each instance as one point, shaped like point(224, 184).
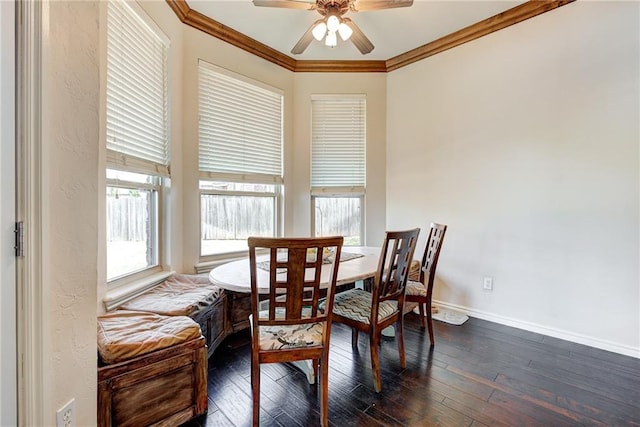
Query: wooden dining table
point(357, 263)
point(236, 275)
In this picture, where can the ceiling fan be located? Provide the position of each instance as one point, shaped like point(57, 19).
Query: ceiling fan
point(333, 22)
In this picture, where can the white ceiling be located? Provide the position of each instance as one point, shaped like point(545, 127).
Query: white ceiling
point(392, 31)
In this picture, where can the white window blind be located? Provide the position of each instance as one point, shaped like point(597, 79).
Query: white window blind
point(240, 127)
point(137, 104)
point(338, 142)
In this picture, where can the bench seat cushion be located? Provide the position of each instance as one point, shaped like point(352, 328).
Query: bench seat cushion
point(179, 295)
point(414, 270)
point(416, 288)
point(123, 334)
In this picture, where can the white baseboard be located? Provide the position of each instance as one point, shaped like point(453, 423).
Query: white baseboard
point(545, 330)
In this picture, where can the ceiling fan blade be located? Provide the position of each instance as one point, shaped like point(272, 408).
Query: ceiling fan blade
point(288, 4)
point(358, 38)
point(363, 5)
point(305, 40)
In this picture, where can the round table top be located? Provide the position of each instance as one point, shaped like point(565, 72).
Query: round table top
point(236, 275)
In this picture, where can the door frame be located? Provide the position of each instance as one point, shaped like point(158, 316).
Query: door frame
point(30, 33)
point(8, 303)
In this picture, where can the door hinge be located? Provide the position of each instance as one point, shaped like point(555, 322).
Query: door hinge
point(19, 238)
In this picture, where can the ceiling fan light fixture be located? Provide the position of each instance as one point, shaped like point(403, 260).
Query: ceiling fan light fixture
point(333, 23)
point(345, 31)
point(319, 31)
point(332, 20)
point(331, 39)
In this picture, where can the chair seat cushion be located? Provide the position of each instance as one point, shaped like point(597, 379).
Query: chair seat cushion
point(355, 304)
point(415, 288)
point(282, 337)
point(179, 295)
point(123, 334)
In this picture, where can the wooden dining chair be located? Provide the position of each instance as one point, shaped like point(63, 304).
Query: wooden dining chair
point(421, 291)
point(371, 312)
point(292, 327)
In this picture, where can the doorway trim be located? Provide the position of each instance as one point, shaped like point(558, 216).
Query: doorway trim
point(8, 301)
point(29, 40)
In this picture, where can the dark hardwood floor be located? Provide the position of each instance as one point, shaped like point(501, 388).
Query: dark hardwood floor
point(480, 373)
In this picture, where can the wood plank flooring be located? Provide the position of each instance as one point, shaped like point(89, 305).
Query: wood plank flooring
point(478, 374)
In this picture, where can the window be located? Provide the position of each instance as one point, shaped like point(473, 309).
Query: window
point(240, 160)
point(232, 212)
point(137, 139)
point(132, 232)
point(338, 166)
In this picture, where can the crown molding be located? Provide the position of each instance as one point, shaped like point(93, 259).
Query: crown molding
point(203, 23)
point(340, 67)
point(497, 22)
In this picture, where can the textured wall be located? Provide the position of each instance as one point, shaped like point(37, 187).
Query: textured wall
point(526, 143)
point(71, 83)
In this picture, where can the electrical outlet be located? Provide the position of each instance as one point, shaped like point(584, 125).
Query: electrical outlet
point(488, 283)
point(66, 416)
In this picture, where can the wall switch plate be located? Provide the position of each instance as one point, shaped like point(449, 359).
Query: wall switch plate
point(488, 283)
point(66, 416)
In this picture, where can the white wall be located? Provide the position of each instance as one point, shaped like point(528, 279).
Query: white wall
point(373, 86)
point(525, 142)
point(70, 174)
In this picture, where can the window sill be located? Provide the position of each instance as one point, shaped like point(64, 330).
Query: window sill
point(207, 265)
point(123, 293)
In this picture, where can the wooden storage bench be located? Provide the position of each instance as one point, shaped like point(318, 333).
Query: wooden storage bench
point(238, 311)
point(152, 369)
point(188, 295)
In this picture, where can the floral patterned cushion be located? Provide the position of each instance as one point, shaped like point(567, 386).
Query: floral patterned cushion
point(416, 288)
point(291, 336)
point(356, 304)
